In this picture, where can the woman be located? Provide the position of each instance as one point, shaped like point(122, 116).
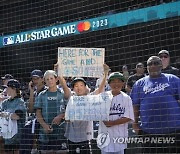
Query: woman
point(13, 108)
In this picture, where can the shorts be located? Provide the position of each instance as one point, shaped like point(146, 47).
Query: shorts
point(11, 147)
point(27, 137)
point(79, 147)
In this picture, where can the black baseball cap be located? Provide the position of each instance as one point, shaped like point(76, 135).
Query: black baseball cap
point(36, 73)
point(76, 80)
point(7, 77)
point(13, 84)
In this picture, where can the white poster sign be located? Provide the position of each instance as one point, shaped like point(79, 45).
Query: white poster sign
point(80, 62)
point(89, 107)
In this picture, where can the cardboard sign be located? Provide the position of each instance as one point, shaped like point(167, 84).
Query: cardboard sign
point(80, 62)
point(89, 107)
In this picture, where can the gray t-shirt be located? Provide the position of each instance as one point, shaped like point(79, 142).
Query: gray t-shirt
point(79, 131)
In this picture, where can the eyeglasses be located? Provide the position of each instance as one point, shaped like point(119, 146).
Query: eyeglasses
point(153, 63)
point(163, 56)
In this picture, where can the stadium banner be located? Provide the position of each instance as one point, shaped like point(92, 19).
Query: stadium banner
point(80, 62)
point(111, 20)
point(89, 107)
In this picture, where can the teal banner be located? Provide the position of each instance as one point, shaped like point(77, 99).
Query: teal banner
point(95, 24)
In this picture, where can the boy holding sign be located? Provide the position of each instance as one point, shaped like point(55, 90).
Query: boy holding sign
point(79, 133)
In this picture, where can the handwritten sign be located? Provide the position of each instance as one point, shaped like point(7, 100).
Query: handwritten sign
point(89, 108)
point(80, 62)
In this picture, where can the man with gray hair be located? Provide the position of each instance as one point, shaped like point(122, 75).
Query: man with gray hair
point(157, 109)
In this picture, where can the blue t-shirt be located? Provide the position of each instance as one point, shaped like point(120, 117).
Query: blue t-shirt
point(158, 102)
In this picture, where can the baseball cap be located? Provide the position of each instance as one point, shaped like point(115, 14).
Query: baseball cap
point(116, 75)
point(76, 80)
point(50, 72)
point(124, 67)
point(13, 84)
point(7, 76)
point(36, 73)
point(163, 52)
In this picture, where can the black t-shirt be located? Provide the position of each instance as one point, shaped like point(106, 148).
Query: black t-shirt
point(132, 79)
point(171, 70)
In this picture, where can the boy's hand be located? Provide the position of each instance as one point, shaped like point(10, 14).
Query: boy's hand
point(106, 69)
point(56, 67)
point(57, 119)
point(47, 129)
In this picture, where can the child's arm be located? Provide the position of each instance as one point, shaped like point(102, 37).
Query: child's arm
point(103, 83)
point(40, 119)
point(67, 92)
point(57, 120)
point(135, 125)
point(117, 122)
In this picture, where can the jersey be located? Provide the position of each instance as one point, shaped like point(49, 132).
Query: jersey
point(121, 106)
point(13, 106)
point(158, 102)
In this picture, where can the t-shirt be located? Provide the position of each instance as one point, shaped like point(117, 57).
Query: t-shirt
point(51, 105)
point(171, 70)
point(79, 131)
point(132, 79)
point(121, 106)
point(158, 102)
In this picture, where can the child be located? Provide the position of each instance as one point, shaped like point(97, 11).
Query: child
point(50, 108)
point(79, 133)
point(121, 112)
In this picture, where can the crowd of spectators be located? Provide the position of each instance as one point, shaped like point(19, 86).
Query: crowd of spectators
point(154, 93)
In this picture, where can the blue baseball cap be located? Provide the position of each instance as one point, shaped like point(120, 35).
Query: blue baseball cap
point(13, 84)
point(36, 73)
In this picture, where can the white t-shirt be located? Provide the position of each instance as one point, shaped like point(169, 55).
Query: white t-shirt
point(121, 106)
point(79, 131)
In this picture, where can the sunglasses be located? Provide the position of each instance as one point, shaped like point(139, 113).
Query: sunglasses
point(163, 56)
point(156, 63)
